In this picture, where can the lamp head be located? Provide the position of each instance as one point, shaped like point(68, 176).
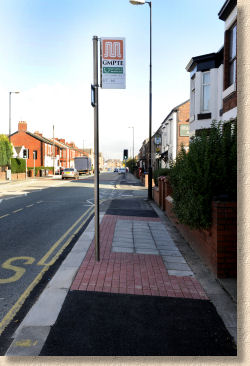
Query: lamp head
point(137, 2)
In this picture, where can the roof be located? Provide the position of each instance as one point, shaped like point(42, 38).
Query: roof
point(175, 110)
point(226, 9)
point(207, 61)
point(44, 139)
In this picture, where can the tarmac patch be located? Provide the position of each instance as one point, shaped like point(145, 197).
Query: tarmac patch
point(101, 324)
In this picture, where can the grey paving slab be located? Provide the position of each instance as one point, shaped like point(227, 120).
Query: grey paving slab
point(177, 266)
point(64, 278)
point(123, 244)
point(165, 252)
point(146, 251)
point(122, 250)
point(166, 246)
point(74, 259)
point(125, 239)
point(148, 243)
point(173, 272)
point(29, 342)
point(45, 311)
point(173, 253)
point(174, 259)
point(143, 240)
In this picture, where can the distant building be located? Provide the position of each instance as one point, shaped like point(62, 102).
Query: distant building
point(41, 151)
point(175, 133)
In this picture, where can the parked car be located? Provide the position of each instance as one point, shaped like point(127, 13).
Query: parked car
point(121, 170)
point(70, 173)
point(116, 170)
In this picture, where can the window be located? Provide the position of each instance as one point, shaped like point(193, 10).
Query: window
point(184, 130)
point(205, 91)
point(232, 55)
point(192, 105)
point(34, 154)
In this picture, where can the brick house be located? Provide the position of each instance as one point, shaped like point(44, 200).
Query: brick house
point(228, 14)
point(69, 152)
point(40, 149)
point(175, 132)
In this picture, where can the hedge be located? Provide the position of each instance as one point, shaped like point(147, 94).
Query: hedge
point(18, 165)
point(207, 172)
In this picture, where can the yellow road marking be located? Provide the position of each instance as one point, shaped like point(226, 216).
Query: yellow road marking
point(52, 261)
point(1, 217)
point(15, 308)
point(58, 242)
point(25, 343)
point(19, 271)
point(20, 209)
point(12, 312)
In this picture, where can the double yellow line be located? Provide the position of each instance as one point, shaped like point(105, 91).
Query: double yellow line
point(42, 262)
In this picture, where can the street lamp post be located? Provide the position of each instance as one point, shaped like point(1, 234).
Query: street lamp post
point(142, 2)
point(15, 92)
point(133, 147)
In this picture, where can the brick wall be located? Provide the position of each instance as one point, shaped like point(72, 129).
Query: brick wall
point(183, 119)
point(230, 102)
point(156, 195)
point(2, 175)
point(218, 245)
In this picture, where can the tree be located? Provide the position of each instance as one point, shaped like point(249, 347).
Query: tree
point(6, 151)
point(131, 164)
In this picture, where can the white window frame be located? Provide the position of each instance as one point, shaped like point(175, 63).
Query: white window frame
point(232, 59)
point(202, 92)
point(192, 106)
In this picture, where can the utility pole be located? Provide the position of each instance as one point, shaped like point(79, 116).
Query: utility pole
point(53, 151)
point(94, 89)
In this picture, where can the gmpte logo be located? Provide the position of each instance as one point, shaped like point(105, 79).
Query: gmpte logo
point(113, 49)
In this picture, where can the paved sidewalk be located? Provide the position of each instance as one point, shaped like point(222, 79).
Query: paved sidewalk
point(141, 298)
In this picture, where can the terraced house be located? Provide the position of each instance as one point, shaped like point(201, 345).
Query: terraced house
point(213, 78)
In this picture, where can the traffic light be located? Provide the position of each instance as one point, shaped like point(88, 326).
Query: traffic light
point(25, 153)
point(125, 154)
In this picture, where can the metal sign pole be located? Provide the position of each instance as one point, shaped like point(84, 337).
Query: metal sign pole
point(96, 145)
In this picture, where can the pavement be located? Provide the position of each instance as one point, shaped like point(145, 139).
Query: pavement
point(149, 294)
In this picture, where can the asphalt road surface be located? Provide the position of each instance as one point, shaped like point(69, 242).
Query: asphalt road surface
point(36, 228)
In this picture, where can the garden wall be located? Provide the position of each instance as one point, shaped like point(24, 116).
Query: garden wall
point(216, 246)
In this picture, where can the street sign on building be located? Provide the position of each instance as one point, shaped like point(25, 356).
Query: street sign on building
point(113, 72)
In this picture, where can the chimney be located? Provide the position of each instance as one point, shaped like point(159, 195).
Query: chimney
point(62, 140)
point(22, 126)
point(38, 133)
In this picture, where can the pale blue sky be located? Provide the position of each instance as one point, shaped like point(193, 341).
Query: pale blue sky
point(46, 53)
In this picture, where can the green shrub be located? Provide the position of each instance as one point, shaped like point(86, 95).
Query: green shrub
point(18, 165)
point(5, 150)
point(207, 172)
point(159, 173)
point(131, 164)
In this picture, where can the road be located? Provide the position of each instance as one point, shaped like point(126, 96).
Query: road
point(37, 226)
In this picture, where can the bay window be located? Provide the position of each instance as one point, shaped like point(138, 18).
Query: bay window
point(205, 91)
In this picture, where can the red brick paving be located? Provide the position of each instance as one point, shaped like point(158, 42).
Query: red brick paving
point(130, 273)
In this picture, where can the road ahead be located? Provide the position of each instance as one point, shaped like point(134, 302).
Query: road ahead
point(36, 227)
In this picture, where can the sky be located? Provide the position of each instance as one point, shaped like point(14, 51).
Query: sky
point(46, 53)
